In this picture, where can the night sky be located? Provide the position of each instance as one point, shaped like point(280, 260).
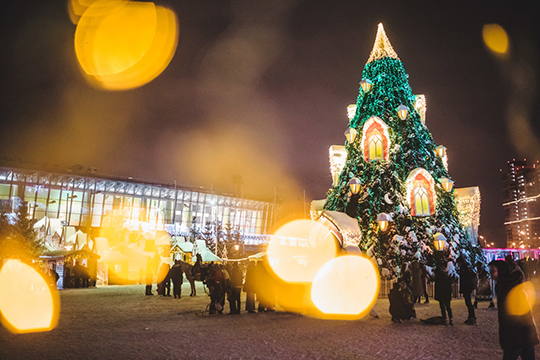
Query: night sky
point(259, 89)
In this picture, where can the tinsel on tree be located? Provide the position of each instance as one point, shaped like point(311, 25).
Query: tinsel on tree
point(393, 157)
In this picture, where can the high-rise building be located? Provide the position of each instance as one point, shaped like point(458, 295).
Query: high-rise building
point(521, 203)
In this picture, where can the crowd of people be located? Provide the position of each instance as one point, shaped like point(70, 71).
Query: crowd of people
point(225, 283)
point(517, 332)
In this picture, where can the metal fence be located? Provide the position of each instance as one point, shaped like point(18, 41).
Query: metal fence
point(386, 286)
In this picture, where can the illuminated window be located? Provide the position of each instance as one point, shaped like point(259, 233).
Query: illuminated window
point(421, 199)
point(375, 140)
point(375, 146)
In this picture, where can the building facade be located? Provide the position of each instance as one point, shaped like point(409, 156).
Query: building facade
point(521, 203)
point(87, 201)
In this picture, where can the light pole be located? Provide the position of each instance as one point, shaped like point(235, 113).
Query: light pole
point(68, 217)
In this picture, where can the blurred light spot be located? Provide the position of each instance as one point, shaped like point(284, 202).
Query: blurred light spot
point(298, 250)
point(295, 297)
point(495, 38)
point(27, 302)
point(346, 287)
point(76, 8)
point(521, 299)
point(122, 45)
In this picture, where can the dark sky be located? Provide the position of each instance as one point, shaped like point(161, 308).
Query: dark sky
point(260, 89)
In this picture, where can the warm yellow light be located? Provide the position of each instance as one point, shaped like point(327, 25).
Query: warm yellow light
point(123, 45)
point(495, 38)
point(27, 302)
point(346, 287)
point(354, 184)
point(350, 134)
point(383, 219)
point(447, 184)
point(402, 112)
point(439, 241)
point(366, 85)
point(521, 299)
point(440, 151)
point(298, 250)
point(236, 247)
point(76, 8)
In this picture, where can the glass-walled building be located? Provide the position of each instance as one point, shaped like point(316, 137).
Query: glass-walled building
point(87, 201)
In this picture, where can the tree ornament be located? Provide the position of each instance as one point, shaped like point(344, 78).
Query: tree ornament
point(354, 184)
point(350, 134)
point(366, 85)
point(387, 199)
point(402, 111)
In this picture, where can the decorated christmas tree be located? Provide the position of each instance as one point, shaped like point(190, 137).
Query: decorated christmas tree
point(394, 179)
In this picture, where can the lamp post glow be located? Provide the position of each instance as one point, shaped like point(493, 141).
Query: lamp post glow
point(350, 134)
point(447, 184)
point(440, 151)
point(354, 183)
point(366, 85)
point(402, 112)
point(383, 219)
point(439, 241)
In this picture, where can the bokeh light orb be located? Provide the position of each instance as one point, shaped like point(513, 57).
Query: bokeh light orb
point(298, 250)
point(495, 38)
point(521, 299)
point(27, 302)
point(346, 287)
point(125, 44)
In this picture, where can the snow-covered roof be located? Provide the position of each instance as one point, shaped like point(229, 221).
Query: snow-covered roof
point(346, 227)
point(185, 247)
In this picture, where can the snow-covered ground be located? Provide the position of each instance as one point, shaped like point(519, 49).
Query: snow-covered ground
point(120, 322)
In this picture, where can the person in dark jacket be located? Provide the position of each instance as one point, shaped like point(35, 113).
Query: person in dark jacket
point(443, 291)
point(177, 276)
point(164, 287)
point(398, 308)
point(216, 285)
point(417, 287)
point(237, 280)
point(484, 292)
point(249, 287)
point(517, 333)
point(467, 284)
point(149, 276)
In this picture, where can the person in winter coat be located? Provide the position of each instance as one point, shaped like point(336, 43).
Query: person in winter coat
point(484, 292)
point(443, 291)
point(177, 276)
point(216, 284)
point(164, 287)
point(237, 280)
point(149, 276)
point(467, 284)
point(424, 282)
point(517, 333)
point(249, 287)
point(398, 308)
point(416, 281)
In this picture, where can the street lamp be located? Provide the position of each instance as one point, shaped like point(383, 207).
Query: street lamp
point(68, 217)
point(354, 184)
point(366, 85)
point(439, 241)
point(447, 184)
point(440, 151)
point(383, 219)
point(402, 111)
point(350, 134)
